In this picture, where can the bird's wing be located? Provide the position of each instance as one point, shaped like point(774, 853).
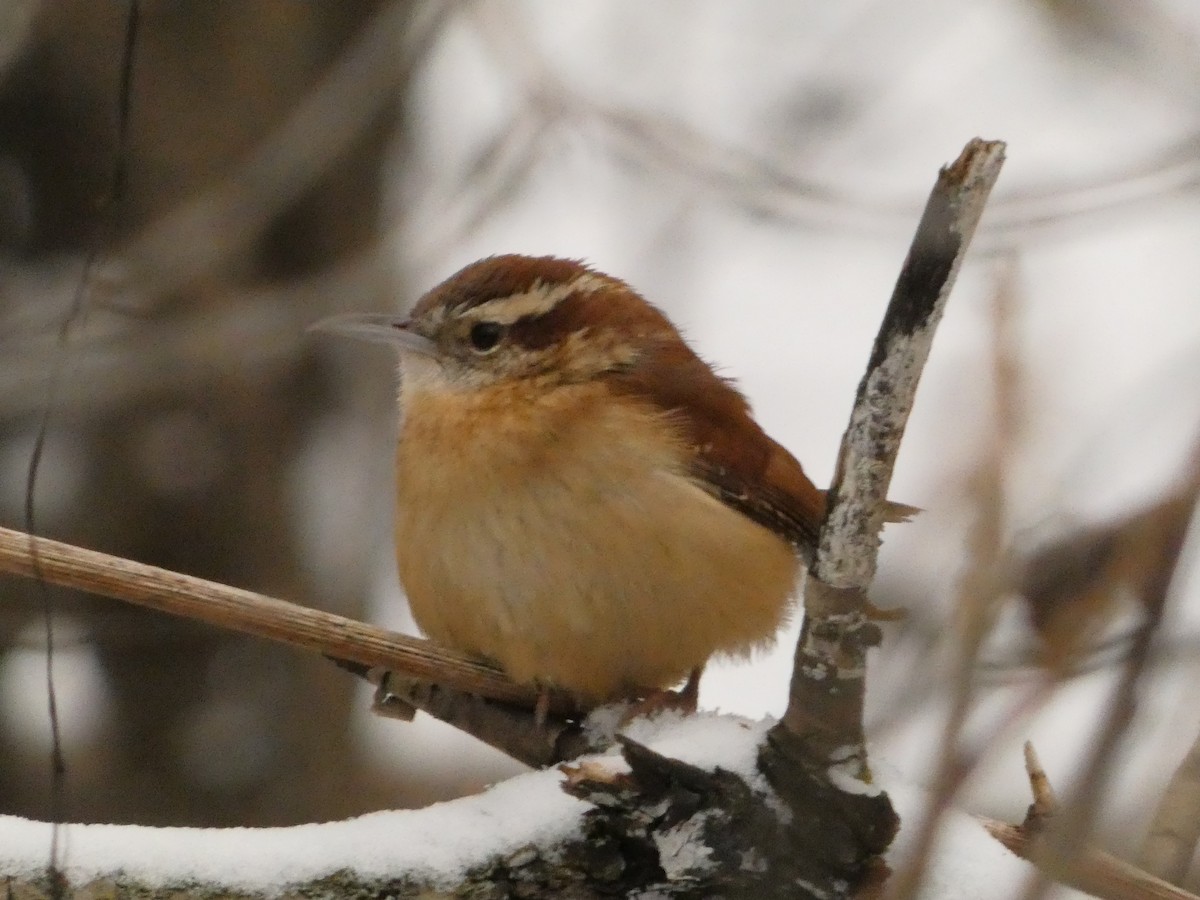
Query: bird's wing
point(792, 511)
point(729, 455)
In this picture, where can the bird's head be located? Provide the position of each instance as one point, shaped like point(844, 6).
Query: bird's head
point(518, 317)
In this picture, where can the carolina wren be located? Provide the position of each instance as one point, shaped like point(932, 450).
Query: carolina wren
point(581, 498)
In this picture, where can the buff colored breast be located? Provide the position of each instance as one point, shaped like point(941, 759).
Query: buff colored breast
point(566, 545)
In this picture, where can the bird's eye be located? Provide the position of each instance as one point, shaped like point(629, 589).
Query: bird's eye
point(486, 335)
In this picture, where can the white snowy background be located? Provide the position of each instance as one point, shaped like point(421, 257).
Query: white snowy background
point(756, 169)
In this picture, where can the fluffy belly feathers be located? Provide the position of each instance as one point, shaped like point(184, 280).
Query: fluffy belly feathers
point(569, 547)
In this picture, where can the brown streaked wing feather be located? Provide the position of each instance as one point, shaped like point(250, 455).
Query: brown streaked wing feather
point(776, 500)
point(734, 459)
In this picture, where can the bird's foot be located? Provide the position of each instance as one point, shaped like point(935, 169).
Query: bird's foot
point(542, 708)
point(684, 700)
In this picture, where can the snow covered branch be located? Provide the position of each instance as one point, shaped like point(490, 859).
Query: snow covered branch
point(684, 813)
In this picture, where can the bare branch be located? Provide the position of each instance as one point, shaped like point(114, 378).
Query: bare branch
point(822, 730)
point(850, 538)
point(828, 681)
point(1094, 871)
point(978, 597)
point(1090, 870)
point(262, 616)
point(513, 730)
point(1174, 832)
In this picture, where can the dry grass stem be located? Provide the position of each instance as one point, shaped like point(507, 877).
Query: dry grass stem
point(1090, 870)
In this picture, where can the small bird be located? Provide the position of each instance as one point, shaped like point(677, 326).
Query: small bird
point(582, 499)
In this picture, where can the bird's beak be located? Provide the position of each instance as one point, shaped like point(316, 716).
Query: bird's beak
point(381, 328)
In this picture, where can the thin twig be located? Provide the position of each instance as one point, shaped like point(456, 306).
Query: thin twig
point(1094, 871)
point(267, 617)
point(1174, 831)
point(510, 729)
point(1045, 800)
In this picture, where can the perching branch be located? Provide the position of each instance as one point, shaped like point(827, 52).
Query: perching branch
point(259, 615)
point(515, 730)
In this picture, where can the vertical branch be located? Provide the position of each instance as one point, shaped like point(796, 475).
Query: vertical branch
point(828, 682)
point(819, 743)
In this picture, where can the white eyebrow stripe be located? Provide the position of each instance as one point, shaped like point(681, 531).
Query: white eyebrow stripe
point(538, 300)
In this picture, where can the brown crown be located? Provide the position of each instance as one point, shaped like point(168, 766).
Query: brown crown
point(498, 276)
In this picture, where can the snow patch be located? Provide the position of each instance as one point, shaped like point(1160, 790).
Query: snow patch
point(706, 740)
point(682, 851)
point(441, 843)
